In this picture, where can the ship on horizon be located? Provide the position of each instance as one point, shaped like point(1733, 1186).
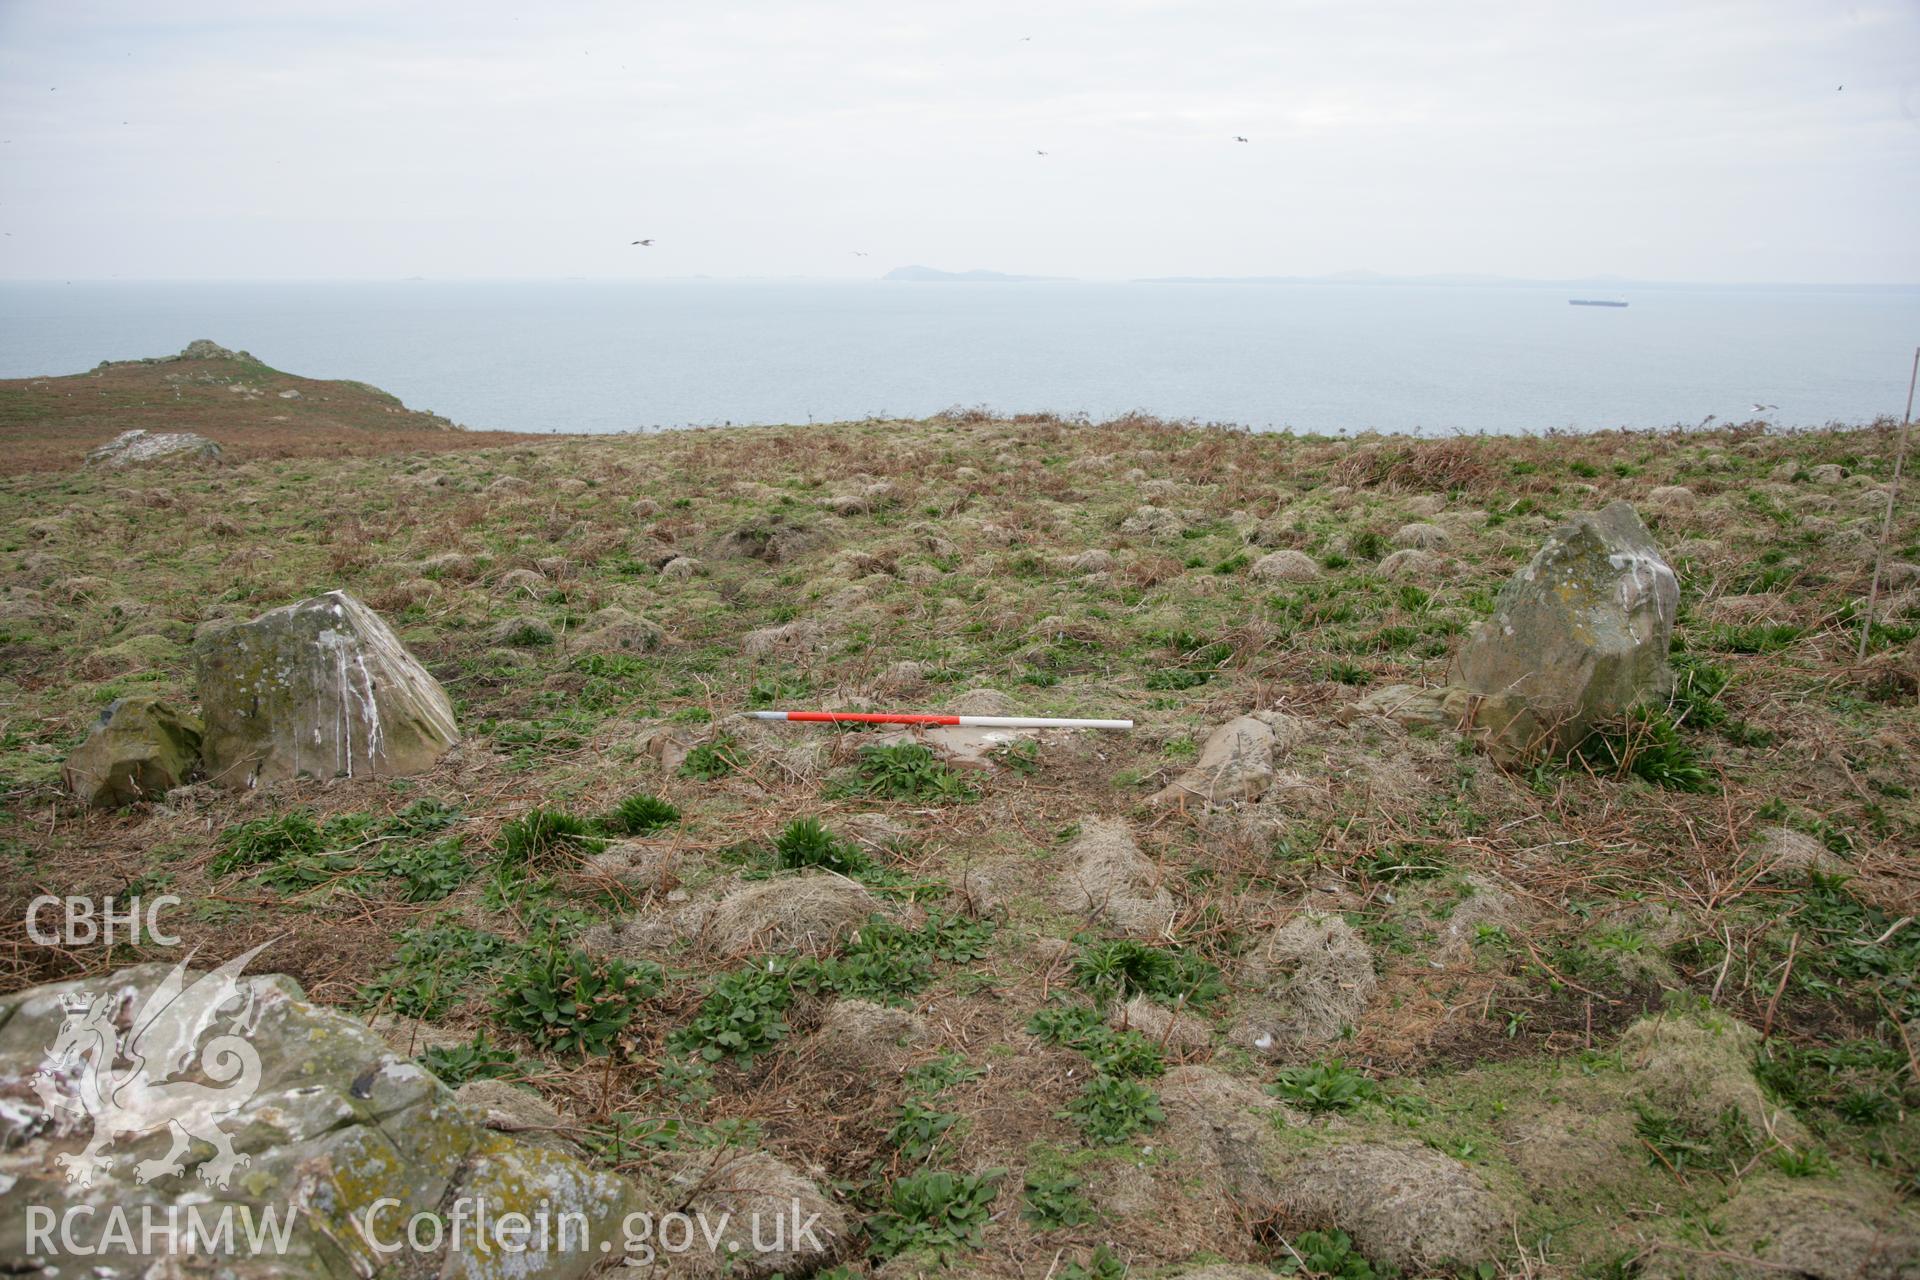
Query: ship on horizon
point(1594, 302)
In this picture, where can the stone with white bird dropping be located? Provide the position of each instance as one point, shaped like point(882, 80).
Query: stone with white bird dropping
point(321, 688)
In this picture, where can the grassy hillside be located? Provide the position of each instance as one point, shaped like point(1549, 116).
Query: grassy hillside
point(1663, 1012)
point(250, 409)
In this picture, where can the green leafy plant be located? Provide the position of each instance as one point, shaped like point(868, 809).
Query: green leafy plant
point(935, 1211)
point(1055, 1200)
point(426, 873)
point(1753, 637)
point(273, 839)
point(571, 1001)
point(1022, 757)
point(1810, 1163)
point(1327, 1254)
point(1111, 1109)
point(919, 1128)
point(806, 845)
point(623, 1135)
point(1121, 968)
point(922, 1123)
point(1324, 1086)
point(639, 814)
point(1682, 1144)
point(1102, 1264)
point(1118, 1053)
point(745, 1013)
point(433, 967)
point(1647, 745)
point(548, 838)
point(711, 760)
point(908, 771)
point(455, 1064)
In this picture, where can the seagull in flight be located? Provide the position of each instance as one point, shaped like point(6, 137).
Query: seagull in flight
point(644, 242)
point(1762, 408)
point(1238, 138)
point(1040, 153)
point(859, 253)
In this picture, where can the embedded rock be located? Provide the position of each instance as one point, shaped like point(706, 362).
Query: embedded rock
point(139, 749)
point(1236, 764)
point(1577, 636)
point(321, 688)
point(151, 446)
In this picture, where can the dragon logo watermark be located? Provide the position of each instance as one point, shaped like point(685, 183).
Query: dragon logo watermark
point(125, 1082)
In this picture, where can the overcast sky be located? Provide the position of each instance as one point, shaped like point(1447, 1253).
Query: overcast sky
point(1651, 139)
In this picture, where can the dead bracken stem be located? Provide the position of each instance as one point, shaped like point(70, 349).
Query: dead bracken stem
point(1786, 972)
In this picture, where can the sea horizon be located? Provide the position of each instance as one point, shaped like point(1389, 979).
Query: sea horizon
point(1315, 356)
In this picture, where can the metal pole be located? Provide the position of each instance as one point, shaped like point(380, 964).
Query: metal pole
point(1893, 494)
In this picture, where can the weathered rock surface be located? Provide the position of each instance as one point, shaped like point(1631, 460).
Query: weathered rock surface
point(130, 447)
point(139, 749)
point(319, 1114)
point(1577, 636)
point(320, 688)
point(1235, 765)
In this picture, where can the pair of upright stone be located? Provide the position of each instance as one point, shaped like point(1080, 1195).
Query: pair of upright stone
point(321, 688)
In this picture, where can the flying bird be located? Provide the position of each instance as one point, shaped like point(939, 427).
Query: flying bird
point(644, 242)
point(859, 253)
point(1039, 153)
point(1762, 408)
point(1238, 138)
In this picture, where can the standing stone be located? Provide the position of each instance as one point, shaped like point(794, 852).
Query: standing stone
point(321, 688)
point(1576, 637)
point(140, 748)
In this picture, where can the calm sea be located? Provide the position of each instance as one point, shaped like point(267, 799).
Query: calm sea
point(582, 356)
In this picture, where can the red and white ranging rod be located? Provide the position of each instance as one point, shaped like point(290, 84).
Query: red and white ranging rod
point(977, 722)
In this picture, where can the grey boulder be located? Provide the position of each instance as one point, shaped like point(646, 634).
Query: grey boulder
point(321, 688)
point(139, 749)
point(309, 1117)
point(1577, 636)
